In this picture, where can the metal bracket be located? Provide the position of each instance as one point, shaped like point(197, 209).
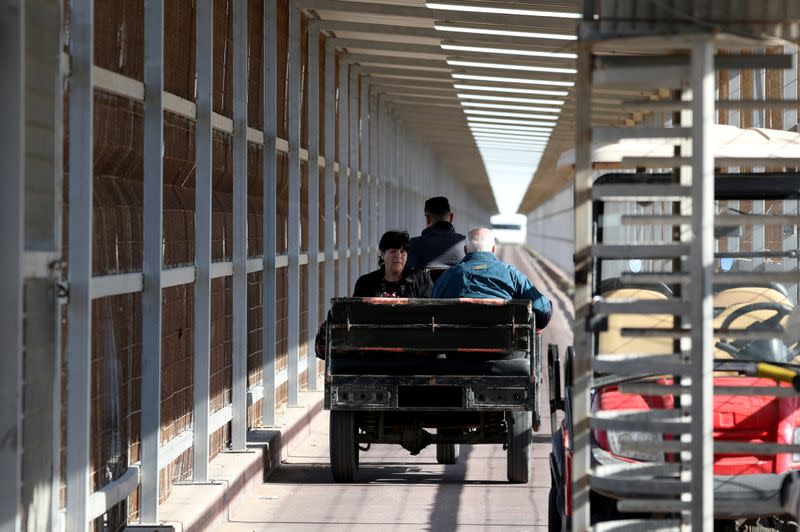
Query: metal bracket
point(62, 292)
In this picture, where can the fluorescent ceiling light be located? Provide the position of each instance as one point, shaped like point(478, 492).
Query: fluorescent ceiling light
point(490, 98)
point(515, 90)
point(509, 115)
point(513, 135)
point(506, 51)
point(506, 138)
point(506, 66)
point(502, 79)
point(511, 163)
point(510, 144)
point(501, 127)
point(546, 126)
point(484, 105)
point(509, 33)
point(524, 154)
point(508, 150)
point(503, 147)
point(511, 153)
point(512, 127)
point(447, 6)
point(542, 135)
point(522, 151)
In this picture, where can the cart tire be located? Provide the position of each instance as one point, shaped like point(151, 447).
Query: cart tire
point(447, 453)
point(343, 446)
point(518, 459)
point(553, 515)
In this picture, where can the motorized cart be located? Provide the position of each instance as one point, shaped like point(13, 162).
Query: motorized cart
point(416, 372)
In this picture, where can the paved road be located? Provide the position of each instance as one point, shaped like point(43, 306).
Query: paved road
point(396, 491)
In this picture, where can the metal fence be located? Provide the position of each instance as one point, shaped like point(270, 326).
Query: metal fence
point(221, 170)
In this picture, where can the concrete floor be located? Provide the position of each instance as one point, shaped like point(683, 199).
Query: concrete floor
point(396, 491)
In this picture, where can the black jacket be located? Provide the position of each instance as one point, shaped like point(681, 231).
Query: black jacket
point(415, 283)
point(437, 248)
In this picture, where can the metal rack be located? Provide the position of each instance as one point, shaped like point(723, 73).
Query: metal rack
point(683, 489)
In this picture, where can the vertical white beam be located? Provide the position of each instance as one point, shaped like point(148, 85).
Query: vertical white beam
point(270, 208)
point(79, 317)
point(355, 179)
point(759, 240)
point(367, 180)
point(312, 289)
point(581, 369)
point(700, 269)
point(201, 369)
point(12, 216)
point(330, 169)
point(344, 177)
point(152, 254)
point(293, 220)
point(375, 180)
point(382, 166)
point(239, 141)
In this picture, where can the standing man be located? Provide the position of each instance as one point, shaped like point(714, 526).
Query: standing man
point(439, 246)
point(482, 275)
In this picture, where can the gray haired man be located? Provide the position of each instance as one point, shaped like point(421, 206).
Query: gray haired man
point(482, 275)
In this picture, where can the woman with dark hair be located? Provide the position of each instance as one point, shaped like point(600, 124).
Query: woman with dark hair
point(393, 278)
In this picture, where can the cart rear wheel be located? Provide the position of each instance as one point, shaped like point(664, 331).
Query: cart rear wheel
point(343, 446)
point(518, 459)
point(447, 453)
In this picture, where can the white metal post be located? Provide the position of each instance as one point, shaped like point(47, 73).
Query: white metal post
point(293, 219)
point(355, 178)
point(581, 364)
point(79, 317)
point(270, 209)
point(701, 268)
point(367, 179)
point(239, 141)
point(201, 371)
point(312, 290)
point(152, 255)
point(382, 165)
point(330, 166)
point(375, 180)
point(12, 219)
point(344, 178)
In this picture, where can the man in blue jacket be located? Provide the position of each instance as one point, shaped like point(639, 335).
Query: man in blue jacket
point(481, 275)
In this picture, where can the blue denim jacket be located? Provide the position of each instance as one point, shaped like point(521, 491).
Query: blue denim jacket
point(483, 275)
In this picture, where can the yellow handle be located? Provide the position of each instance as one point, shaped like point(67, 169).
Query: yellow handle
point(777, 373)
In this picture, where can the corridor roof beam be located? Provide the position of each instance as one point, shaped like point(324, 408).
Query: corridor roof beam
point(388, 46)
point(366, 8)
point(398, 61)
point(381, 29)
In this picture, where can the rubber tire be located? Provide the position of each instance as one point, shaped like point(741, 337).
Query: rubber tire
point(343, 446)
point(553, 515)
point(447, 453)
point(518, 459)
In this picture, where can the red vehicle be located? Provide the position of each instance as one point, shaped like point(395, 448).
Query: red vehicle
point(756, 394)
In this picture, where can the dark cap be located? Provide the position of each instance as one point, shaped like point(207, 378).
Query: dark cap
point(437, 205)
point(393, 240)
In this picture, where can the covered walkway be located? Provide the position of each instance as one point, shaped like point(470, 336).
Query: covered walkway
point(186, 185)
